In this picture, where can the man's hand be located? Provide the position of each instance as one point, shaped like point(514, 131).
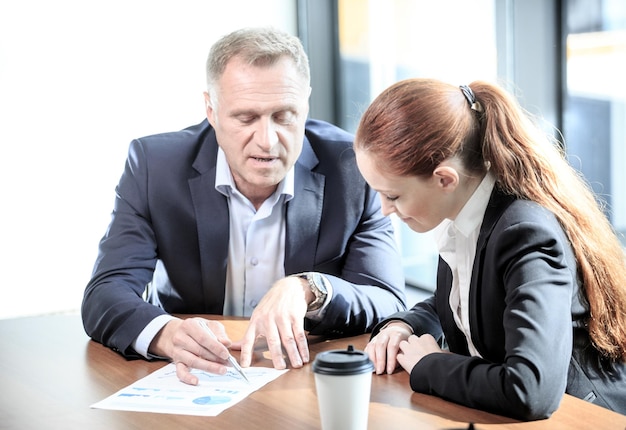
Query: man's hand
point(279, 317)
point(383, 348)
point(189, 346)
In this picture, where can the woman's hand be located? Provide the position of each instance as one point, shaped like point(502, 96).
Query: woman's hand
point(414, 349)
point(383, 348)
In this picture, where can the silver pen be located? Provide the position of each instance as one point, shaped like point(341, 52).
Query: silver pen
point(231, 359)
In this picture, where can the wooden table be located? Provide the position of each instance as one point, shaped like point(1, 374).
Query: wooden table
point(50, 373)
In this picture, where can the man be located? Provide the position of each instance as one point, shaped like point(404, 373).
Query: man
point(256, 212)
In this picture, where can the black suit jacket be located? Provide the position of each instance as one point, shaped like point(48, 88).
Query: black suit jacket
point(525, 308)
point(170, 229)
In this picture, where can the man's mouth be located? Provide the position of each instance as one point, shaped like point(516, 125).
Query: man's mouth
point(264, 159)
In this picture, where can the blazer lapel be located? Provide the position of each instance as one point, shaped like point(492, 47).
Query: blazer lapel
point(211, 209)
point(497, 204)
point(304, 214)
point(303, 218)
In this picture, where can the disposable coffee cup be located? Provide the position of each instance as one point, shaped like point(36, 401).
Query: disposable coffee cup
point(343, 381)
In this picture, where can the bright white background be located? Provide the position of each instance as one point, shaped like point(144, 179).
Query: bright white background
point(78, 80)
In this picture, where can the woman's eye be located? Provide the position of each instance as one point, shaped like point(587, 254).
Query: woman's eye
point(391, 198)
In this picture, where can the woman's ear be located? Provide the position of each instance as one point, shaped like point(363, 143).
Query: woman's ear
point(447, 177)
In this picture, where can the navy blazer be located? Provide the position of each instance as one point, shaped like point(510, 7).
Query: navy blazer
point(170, 230)
point(527, 321)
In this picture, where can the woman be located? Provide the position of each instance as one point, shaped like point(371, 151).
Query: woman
point(531, 285)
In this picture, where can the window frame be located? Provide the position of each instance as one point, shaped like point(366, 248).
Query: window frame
point(533, 61)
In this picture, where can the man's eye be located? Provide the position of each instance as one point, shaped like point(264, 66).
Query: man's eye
point(246, 119)
point(391, 198)
point(284, 117)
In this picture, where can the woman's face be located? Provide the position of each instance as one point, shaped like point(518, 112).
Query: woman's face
point(422, 203)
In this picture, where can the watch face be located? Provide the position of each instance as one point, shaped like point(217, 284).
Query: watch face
point(318, 281)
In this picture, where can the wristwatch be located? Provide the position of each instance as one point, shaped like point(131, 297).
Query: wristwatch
point(317, 284)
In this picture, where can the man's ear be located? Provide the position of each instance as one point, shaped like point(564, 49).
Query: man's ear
point(209, 108)
point(447, 177)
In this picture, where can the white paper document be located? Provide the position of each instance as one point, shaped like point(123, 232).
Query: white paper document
point(163, 392)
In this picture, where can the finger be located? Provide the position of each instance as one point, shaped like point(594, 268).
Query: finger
point(219, 331)
point(236, 345)
point(403, 361)
point(211, 349)
point(402, 357)
point(382, 344)
point(183, 373)
point(275, 347)
point(393, 348)
point(210, 366)
point(301, 341)
point(246, 344)
point(291, 348)
point(370, 349)
point(197, 339)
point(295, 345)
point(201, 359)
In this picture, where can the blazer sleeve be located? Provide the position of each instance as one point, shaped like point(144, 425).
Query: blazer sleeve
point(521, 324)
point(348, 239)
point(370, 283)
point(422, 318)
point(113, 310)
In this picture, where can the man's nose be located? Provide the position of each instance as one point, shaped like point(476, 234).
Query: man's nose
point(266, 134)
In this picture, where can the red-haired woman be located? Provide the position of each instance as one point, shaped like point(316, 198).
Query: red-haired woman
point(531, 286)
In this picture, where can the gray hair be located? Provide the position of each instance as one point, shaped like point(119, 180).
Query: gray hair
point(257, 46)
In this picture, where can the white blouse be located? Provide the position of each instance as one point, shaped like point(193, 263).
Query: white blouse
point(457, 241)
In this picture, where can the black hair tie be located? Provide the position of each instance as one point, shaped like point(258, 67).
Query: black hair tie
point(471, 98)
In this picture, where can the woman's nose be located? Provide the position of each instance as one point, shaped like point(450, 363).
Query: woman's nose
point(387, 208)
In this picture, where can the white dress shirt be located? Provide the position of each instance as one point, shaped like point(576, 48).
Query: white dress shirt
point(457, 246)
point(256, 249)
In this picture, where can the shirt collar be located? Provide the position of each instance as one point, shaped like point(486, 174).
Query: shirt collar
point(225, 184)
point(471, 216)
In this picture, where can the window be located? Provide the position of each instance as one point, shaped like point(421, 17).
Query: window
point(564, 59)
point(594, 99)
point(383, 41)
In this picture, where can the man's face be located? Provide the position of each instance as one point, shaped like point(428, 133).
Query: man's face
point(259, 118)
